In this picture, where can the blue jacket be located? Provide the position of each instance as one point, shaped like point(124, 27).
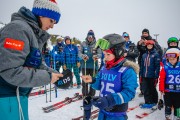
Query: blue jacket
point(128, 83)
point(71, 54)
point(150, 65)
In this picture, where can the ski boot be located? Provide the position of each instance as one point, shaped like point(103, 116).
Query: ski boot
point(148, 106)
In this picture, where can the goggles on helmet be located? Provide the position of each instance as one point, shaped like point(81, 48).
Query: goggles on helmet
point(173, 39)
point(90, 36)
point(149, 42)
point(103, 44)
point(171, 55)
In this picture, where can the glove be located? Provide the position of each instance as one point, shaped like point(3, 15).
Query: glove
point(64, 67)
point(85, 57)
point(95, 57)
point(78, 64)
point(104, 102)
point(160, 104)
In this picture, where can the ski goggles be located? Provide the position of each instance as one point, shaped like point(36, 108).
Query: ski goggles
point(90, 36)
point(173, 39)
point(149, 42)
point(171, 55)
point(103, 44)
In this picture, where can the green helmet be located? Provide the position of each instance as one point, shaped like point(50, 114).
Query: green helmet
point(173, 39)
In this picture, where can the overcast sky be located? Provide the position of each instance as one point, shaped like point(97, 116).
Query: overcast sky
point(109, 16)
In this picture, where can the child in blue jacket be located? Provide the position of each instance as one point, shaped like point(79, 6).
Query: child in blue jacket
point(117, 80)
point(149, 73)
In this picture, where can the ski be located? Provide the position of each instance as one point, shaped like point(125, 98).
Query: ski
point(79, 97)
point(132, 108)
point(81, 117)
point(58, 103)
point(144, 114)
point(40, 92)
point(95, 113)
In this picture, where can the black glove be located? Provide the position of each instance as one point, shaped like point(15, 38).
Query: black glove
point(104, 102)
point(160, 104)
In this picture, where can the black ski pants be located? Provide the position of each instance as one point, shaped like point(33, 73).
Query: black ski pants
point(172, 99)
point(149, 90)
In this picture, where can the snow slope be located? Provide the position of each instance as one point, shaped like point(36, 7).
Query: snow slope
point(74, 109)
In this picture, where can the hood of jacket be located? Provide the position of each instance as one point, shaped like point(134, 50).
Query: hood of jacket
point(27, 16)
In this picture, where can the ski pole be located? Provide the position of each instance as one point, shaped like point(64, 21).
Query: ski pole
point(46, 93)
point(94, 69)
point(58, 71)
point(86, 90)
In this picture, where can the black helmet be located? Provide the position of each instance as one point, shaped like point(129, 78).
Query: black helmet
point(116, 42)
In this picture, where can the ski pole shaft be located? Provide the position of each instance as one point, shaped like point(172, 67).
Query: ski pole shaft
point(94, 69)
point(46, 93)
point(50, 93)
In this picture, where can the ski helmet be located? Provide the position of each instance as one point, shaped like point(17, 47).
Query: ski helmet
point(172, 39)
point(173, 52)
point(116, 43)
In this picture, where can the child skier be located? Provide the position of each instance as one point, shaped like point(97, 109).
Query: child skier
point(117, 80)
point(149, 73)
point(169, 83)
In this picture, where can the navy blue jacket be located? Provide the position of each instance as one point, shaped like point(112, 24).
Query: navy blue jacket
point(150, 64)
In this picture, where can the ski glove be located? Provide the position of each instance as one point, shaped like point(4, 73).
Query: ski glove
point(85, 57)
point(104, 102)
point(95, 57)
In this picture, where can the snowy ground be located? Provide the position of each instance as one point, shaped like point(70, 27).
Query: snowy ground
point(73, 110)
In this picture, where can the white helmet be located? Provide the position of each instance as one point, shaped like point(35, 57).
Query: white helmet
point(173, 52)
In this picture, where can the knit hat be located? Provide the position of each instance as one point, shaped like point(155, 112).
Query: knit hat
point(90, 32)
point(145, 30)
point(67, 38)
point(47, 8)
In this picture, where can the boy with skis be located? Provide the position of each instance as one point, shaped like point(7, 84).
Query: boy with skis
point(149, 73)
point(169, 83)
point(117, 80)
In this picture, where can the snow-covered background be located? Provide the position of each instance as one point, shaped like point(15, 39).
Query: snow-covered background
point(73, 109)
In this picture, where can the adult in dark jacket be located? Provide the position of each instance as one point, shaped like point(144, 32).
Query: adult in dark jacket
point(142, 49)
point(21, 42)
point(131, 49)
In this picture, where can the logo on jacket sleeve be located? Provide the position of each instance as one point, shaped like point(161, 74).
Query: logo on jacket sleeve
point(13, 44)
